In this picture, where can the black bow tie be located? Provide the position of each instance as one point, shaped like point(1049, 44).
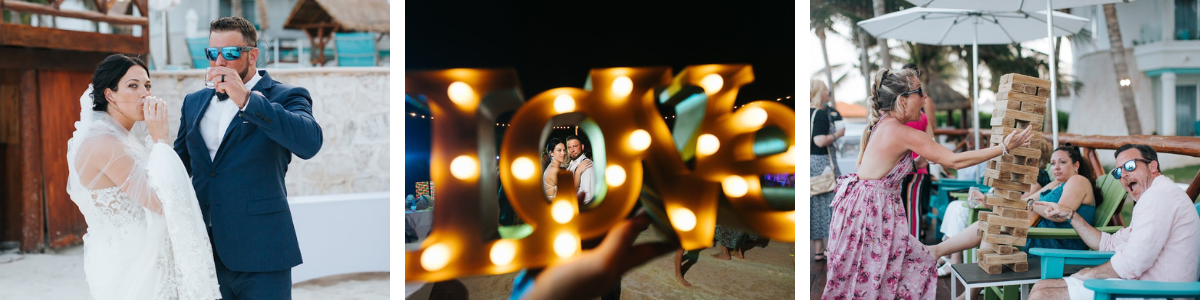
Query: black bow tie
point(222, 96)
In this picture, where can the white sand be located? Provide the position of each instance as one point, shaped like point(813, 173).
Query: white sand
point(60, 276)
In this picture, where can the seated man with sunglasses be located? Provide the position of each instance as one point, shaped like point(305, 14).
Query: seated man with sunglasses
point(236, 139)
point(1160, 244)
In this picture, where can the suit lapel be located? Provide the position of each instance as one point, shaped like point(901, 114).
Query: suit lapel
point(194, 137)
point(235, 131)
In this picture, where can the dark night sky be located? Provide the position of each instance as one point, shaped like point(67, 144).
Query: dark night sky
point(554, 44)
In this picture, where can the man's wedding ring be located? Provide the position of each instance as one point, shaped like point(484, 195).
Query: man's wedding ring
point(222, 78)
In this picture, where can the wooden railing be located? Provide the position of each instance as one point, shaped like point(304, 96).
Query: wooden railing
point(1088, 144)
point(98, 16)
point(1182, 145)
point(24, 36)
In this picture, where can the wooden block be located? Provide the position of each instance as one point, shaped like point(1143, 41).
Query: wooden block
point(1010, 95)
point(1007, 222)
point(997, 258)
point(997, 201)
point(1008, 104)
point(990, 269)
point(1025, 79)
point(1008, 194)
point(1019, 267)
point(1013, 165)
point(1009, 176)
point(1043, 92)
point(989, 228)
point(1017, 115)
point(1008, 185)
point(1005, 249)
point(1013, 123)
point(1012, 213)
point(1021, 232)
point(1034, 108)
point(999, 132)
point(1004, 239)
point(983, 215)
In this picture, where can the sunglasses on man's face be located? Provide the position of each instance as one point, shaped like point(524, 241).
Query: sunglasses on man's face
point(230, 53)
point(916, 91)
point(1129, 166)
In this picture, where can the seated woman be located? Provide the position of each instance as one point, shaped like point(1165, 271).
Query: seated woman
point(1073, 187)
point(957, 213)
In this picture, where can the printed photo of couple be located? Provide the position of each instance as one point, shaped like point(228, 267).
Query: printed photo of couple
point(194, 149)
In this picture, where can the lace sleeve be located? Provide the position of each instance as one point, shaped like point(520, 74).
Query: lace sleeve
point(156, 179)
point(107, 162)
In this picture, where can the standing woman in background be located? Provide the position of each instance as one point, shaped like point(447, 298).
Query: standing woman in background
point(822, 136)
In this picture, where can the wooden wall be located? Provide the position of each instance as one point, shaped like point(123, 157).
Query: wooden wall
point(58, 97)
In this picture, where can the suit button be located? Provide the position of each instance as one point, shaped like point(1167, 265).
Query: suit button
point(212, 174)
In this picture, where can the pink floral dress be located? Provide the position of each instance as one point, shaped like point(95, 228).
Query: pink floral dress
point(871, 254)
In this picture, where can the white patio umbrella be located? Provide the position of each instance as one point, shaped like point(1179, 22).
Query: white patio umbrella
point(1024, 5)
point(938, 26)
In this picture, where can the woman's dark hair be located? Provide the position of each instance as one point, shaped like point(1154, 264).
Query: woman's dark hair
point(1085, 169)
point(107, 76)
point(549, 154)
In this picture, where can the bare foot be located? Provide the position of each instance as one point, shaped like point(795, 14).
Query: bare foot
point(738, 254)
point(723, 255)
point(682, 281)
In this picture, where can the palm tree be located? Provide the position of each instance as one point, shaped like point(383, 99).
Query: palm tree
point(821, 20)
point(884, 56)
point(1118, 57)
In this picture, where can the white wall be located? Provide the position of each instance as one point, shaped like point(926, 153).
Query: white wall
point(342, 234)
point(350, 104)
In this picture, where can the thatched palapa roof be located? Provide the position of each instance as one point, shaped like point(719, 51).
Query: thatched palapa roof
point(349, 15)
point(944, 97)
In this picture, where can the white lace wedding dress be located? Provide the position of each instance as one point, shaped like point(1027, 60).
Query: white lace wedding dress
point(145, 237)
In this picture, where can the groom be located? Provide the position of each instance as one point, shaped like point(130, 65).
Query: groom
point(236, 141)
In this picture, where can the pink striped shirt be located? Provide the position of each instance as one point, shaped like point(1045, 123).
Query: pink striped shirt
point(1162, 243)
point(919, 125)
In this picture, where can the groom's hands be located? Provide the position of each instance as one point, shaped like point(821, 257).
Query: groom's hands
point(232, 85)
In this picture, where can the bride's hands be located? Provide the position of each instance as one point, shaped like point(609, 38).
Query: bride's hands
point(155, 112)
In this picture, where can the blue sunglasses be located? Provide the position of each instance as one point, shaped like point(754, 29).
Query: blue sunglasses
point(230, 53)
point(1129, 166)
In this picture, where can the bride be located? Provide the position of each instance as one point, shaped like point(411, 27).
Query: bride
point(556, 154)
point(145, 237)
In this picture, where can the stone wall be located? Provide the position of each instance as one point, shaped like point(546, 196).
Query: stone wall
point(351, 104)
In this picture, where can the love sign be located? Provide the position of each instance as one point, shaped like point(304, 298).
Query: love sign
point(635, 149)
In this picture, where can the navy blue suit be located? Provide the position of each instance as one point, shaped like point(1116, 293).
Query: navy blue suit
point(241, 191)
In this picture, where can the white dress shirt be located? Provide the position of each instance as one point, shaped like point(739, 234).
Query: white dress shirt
point(217, 117)
point(586, 180)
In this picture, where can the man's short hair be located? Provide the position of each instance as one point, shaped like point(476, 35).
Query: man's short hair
point(576, 138)
point(1147, 152)
point(236, 24)
point(910, 67)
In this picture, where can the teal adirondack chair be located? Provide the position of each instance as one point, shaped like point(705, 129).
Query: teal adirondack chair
point(941, 198)
point(196, 49)
point(1053, 261)
point(355, 49)
point(1113, 193)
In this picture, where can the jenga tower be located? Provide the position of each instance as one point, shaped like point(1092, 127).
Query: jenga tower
point(1020, 103)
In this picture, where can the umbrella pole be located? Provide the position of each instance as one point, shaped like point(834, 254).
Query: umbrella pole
point(975, 96)
point(1053, 74)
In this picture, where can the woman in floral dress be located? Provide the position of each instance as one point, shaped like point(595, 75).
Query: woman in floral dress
point(871, 255)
